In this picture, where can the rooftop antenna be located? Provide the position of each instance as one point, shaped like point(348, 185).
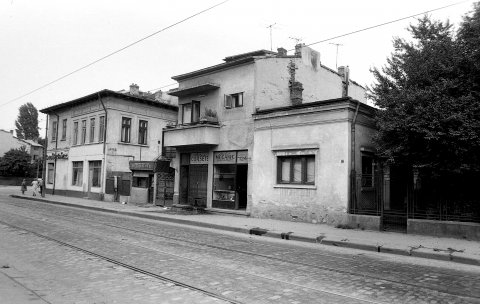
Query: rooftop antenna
point(336, 57)
point(271, 27)
point(297, 39)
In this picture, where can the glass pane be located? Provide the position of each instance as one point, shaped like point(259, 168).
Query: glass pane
point(196, 112)
point(310, 169)
point(224, 177)
point(187, 113)
point(285, 170)
point(297, 170)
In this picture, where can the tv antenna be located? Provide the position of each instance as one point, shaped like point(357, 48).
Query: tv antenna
point(271, 28)
point(336, 57)
point(297, 39)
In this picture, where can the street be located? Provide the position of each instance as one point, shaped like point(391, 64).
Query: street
point(59, 254)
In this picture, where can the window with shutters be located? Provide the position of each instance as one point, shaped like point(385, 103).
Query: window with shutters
point(234, 100)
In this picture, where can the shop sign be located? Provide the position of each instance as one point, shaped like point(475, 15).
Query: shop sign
point(59, 155)
point(229, 157)
point(142, 165)
point(200, 158)
point(242, 157)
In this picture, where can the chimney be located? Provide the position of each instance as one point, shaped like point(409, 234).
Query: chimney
point(158, 95)
point(134, 89)
point(341, 71)
point(345, 74)
point(282, 51)
point(298, 49)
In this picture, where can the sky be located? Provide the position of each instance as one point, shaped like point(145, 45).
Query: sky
point(43, 40)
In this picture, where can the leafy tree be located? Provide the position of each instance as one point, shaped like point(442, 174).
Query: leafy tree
point(429, 115)
point(27, 122)
point(16, 162)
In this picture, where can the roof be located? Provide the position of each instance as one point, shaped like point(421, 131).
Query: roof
point(179, 92)
point(109, 93)
point(31, 142)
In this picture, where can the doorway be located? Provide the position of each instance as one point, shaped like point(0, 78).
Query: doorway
point(241, 179)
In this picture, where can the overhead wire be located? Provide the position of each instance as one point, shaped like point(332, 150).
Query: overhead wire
point(112, 53)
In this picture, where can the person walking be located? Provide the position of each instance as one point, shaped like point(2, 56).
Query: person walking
point(40, 186)
point(35, 187)
point(23, 187)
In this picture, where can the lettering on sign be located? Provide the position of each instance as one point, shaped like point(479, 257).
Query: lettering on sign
point(225, 157)
point(145, 166)
point(242, 157)
point(199, 158)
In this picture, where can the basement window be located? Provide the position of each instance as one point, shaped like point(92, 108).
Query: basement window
point(234, 100)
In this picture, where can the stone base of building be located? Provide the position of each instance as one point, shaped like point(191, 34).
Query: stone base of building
point(364, 222)
point(460, 230)
point(72, 193)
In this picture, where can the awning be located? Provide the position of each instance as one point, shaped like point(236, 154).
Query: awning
point(180, 92)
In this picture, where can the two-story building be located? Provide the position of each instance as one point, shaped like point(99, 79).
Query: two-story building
point(272, 135)
point(103, 145)
point(10, 141)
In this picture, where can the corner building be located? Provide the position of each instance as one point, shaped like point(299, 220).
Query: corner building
point(271, 135)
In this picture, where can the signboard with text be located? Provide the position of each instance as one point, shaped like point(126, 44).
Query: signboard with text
point(199, 158)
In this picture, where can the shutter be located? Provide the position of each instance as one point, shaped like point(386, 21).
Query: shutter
point(228, 101)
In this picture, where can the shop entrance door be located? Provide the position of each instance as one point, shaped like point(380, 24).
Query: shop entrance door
point(197, 185)
point(241, 187)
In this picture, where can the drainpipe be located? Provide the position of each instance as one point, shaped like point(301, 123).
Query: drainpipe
point(353, 173)
point(56, 147)
point(44, 173)
point(104, 144)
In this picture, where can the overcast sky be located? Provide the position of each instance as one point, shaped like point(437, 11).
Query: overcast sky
point(44, 39)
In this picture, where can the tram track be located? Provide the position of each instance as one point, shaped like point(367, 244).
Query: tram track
point(196, 243)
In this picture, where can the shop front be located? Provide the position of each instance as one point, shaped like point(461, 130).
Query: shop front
point(230, 174)
point(142, 181)
point(193, 179)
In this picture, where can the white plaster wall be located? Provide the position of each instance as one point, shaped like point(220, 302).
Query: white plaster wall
point(327, 201)
point(9, 142)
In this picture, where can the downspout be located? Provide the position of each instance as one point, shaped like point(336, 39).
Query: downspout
point(44, 173)
point(104, 179)
point(353, 172)
point(56, 147)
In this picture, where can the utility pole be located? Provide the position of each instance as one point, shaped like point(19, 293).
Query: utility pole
point(271, 27)
point(336, 57)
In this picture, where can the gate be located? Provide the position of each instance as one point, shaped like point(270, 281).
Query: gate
point(165, 187)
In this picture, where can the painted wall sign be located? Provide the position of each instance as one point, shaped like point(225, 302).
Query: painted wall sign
point(200, 158)
point(60, 155)
point(142, 165)
point(229, 157)
point(242, 157)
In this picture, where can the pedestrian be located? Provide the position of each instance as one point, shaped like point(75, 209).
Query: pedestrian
point(35, 187)
point(40, 186)
point(23, 187)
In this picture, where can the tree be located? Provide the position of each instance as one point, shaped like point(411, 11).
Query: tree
point(16, 162)
point(27, 122)
point(429, 114)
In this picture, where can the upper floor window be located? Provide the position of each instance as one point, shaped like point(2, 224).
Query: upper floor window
point(84, 131)
point(101, 129)
point(75, 133)
point(234, 100)
point(54, 131)
point(142, 132)
point(296, 169)
point(126, 125)
point(64, 129)
point(191, 112)
point(92, 129)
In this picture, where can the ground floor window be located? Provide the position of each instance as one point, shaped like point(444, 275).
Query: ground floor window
point(296, 169)
point(140, 182)
point(77, 177)
point(95, 172)
point(50, 173)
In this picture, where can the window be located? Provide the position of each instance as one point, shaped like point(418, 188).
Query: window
point(54, 131)
point(77, 178)
point(50, 173)
point(234, 100)
point(95, 171)
point(84, 131)
point(140, 182)
point(142, 132)
point(92, 129)
point(191, 112)
point(296, 169)
point(101, 129)
point(367, 170)
point(126, 124)
point(64, 129)
point(75, 133)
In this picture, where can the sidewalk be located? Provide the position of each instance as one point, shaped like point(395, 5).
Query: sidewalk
point(448, 249)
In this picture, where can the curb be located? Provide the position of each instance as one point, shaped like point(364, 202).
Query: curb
point(455, 257)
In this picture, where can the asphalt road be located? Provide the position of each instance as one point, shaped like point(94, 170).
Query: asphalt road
point(56, 254)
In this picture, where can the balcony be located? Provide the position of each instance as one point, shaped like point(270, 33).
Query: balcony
point(200, 134)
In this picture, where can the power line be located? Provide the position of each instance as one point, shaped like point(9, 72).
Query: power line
point(167, 85)
point(385, 23)
point(113, 53)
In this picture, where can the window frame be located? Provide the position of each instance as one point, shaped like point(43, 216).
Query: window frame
point(54, 130)
point(101, 129)
point(194, 115)
point(64, 129)
point(92, 129)
point(75, 133)
point(50, 172)
point(303, 170)
point(142, 132)
point(79, 170)
point(125, 136)
point(94, 165)
point(234, 100)
point(83, 138)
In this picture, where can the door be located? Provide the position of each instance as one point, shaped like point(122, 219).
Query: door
point(241, 185)
point(197, 185)
point(396, 200)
